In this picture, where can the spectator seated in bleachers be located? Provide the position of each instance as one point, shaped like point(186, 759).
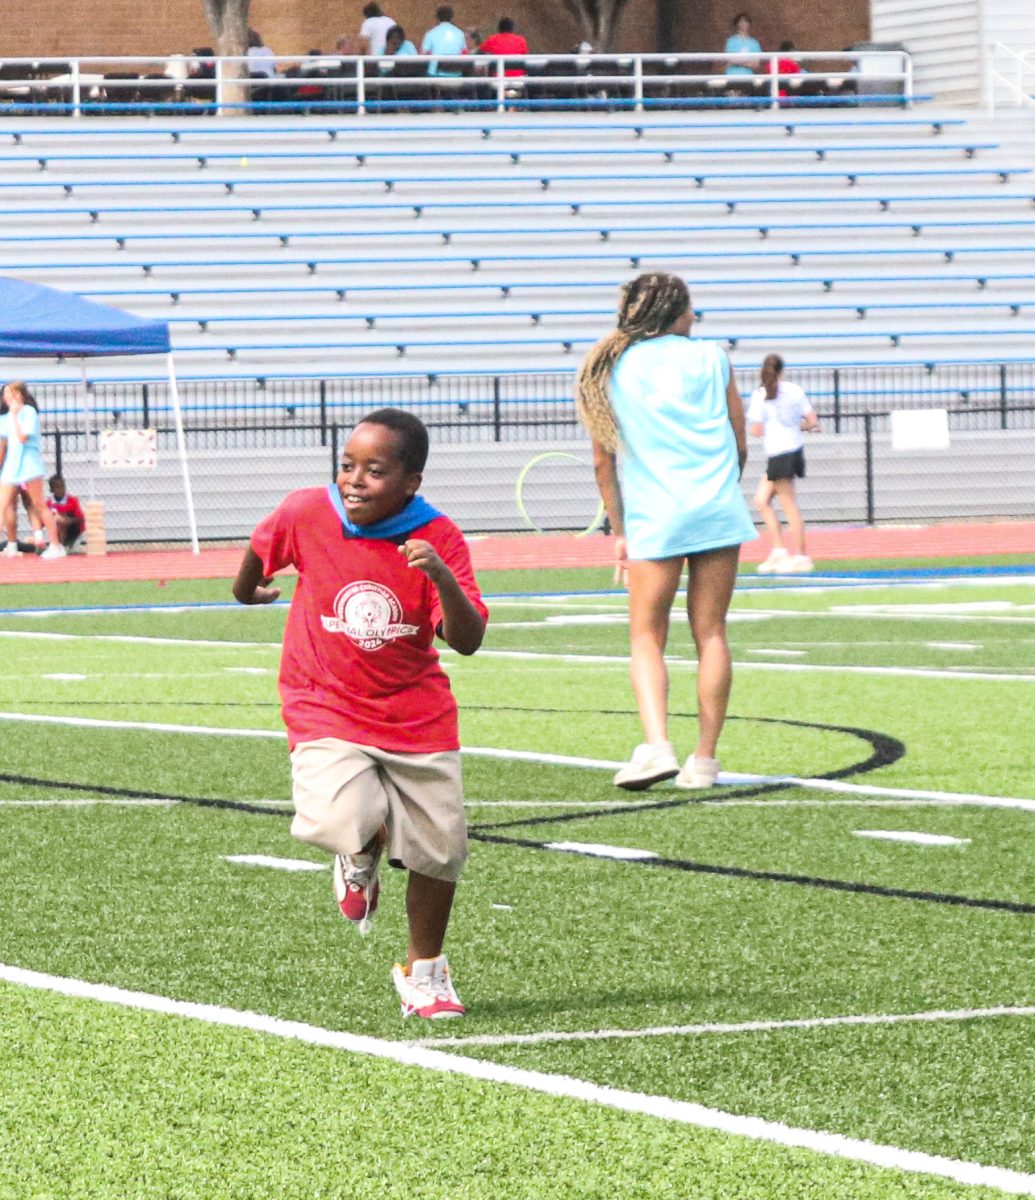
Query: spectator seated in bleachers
point(506, 41)
point(202, 68)
point(262, 62)
point(397, 45)
point(446, 39)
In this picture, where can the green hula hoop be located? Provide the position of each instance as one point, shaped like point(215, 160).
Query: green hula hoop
point(519, 490)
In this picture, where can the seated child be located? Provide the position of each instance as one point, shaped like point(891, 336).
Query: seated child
point(371, 719)
point(68, 512)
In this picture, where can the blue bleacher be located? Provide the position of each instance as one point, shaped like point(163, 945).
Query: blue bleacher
point(853, 236)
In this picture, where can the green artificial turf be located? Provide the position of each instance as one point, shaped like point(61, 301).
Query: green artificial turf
point(542, 940)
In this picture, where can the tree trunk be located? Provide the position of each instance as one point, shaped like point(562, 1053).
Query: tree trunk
point(228, 20)
point(598, 21)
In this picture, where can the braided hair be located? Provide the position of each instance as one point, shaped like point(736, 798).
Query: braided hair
point(647, 308)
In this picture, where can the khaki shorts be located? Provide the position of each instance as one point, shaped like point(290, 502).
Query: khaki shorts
point(343, 792)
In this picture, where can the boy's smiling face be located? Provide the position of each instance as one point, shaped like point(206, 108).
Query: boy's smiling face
point(373, 481)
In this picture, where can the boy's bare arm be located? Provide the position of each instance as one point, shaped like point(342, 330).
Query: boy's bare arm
point(462, 624)
point(251, 584)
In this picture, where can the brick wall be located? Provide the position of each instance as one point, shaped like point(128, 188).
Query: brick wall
point(80, 27)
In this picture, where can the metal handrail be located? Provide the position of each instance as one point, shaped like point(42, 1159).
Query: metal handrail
point(80, 74)
point(1021, 62)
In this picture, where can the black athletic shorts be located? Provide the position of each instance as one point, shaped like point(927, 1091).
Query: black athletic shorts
point(786, 466)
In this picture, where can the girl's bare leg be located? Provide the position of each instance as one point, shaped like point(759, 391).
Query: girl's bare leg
point(8, 507)
point(713, 574)
point(34, 490)
point(652, 588)
point(764, 504)
point(789, 503)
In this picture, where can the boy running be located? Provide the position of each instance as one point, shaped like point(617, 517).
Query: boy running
point(372, 721)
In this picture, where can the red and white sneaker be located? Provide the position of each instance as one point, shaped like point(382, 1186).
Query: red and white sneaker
point(427, 991)
point(357, 888)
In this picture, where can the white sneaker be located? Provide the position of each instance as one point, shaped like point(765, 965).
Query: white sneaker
point(54, 551)
point(798, 564)
point(651, 762)
point(698, 773)
point(10, 550)
point(427, 991)
point(775, 563)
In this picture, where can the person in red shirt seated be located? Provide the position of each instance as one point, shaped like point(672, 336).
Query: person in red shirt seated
point(371, 719)
point(785, 65)
point(68, 512)
point(506, 41)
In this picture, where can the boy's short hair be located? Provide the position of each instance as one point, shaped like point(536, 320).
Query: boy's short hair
point(372, 10)
point(444, 13)
point(506, 25)
point(413, 435)
point(55, 479)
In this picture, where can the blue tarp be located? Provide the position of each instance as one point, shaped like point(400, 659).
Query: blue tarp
point(39, 322)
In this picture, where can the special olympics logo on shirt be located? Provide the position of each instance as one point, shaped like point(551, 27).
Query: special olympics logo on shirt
point(369, 614)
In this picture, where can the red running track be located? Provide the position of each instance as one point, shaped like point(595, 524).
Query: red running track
point(537, 551)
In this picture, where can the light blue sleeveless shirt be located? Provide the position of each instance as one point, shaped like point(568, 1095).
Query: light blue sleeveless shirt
point(23, 460)
point(677, 460)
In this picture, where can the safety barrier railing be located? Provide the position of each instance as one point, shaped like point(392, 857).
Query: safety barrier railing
point(192, 84)
point(1018, 83)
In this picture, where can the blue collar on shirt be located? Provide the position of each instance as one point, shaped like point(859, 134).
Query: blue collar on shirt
point(417, 512)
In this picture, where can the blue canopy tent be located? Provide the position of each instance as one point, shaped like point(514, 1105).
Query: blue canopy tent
point(42, 322)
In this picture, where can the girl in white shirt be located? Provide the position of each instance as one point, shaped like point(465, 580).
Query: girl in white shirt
point(780, 413)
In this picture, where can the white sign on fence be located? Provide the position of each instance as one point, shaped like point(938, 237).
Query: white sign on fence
point(920, 429)
point(128, 449)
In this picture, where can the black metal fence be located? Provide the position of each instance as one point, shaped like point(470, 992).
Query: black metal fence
point(285, 413)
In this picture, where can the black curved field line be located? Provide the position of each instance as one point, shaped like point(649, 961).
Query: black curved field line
point(885, 750)
point(104, 789)
point(815, 881)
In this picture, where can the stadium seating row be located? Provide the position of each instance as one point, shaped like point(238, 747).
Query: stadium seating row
point(335, 245)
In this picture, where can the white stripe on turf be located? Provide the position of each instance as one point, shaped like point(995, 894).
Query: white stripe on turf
point(746, 665)
point(277, 864)
point(915, 838)
point(663, 1107)
point(88, 801)
point(599, 850)
point(726, 778)
point(600, 1035)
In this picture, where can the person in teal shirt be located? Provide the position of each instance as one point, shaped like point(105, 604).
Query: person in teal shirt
point(444, 38)
point(669, 447)
point(740, 41)
point(21, 464)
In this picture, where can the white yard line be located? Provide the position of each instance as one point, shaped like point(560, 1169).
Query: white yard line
point(88, 802)
point(911, 837)
point(683, 1111)
point(714, 1027)
point(602, 850)
point(275, 864)
point(40, 635)
point(150, 726)
point(726, 778)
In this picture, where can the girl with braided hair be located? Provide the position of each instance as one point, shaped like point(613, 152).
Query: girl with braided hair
point(669, 447)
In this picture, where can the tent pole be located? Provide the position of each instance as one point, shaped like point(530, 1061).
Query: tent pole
point(91, 488)
point(181, 446)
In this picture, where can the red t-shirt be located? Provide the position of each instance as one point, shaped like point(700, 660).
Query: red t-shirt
point(505, 43)
point(358, 661)
point(69, 507)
